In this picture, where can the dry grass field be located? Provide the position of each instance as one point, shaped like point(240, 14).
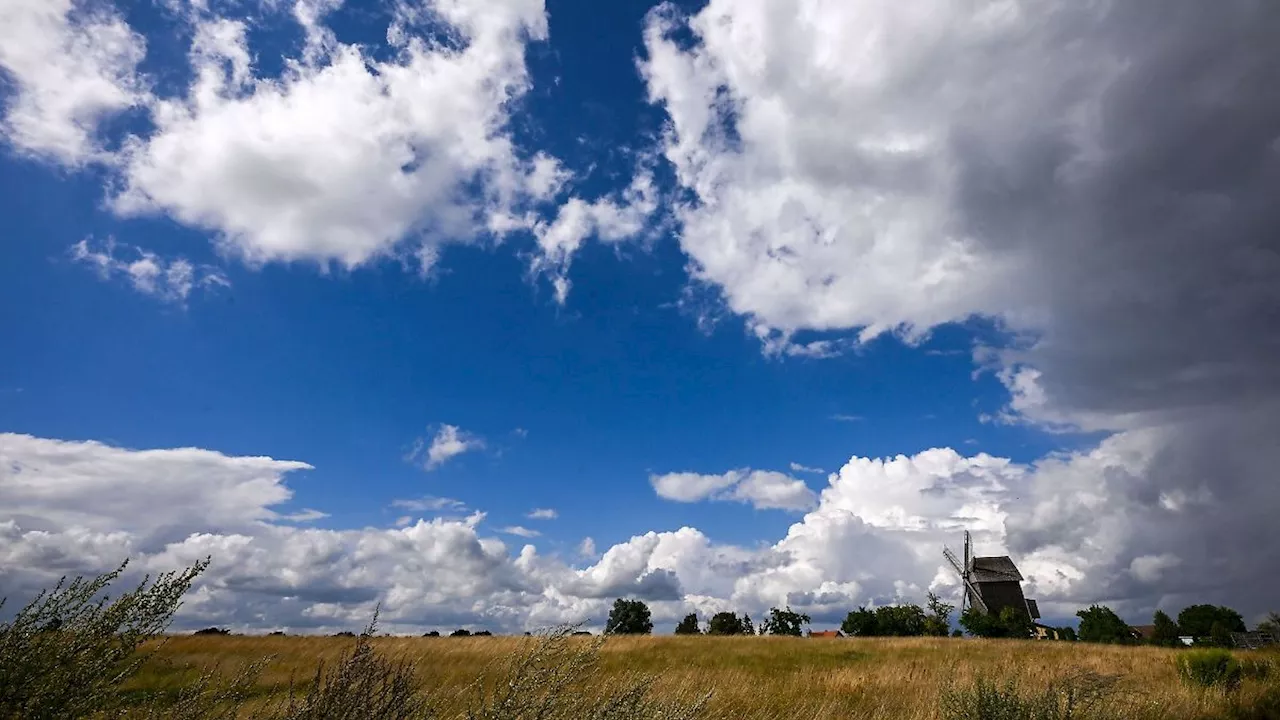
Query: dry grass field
point(750, 678)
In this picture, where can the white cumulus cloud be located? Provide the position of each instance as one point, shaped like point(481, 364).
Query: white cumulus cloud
point(449, 442)
point(167, 279)
point(762, 489)
point(72, 65)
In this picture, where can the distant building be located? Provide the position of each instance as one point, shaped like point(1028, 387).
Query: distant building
point(1145, 633)
point(1044, 632)
point(826, 634)
point(1252, 640)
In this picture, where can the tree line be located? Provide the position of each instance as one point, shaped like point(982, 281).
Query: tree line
point(632, 617)
point(1208, 624)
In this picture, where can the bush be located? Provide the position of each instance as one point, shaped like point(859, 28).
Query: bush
point(66, 653)
point(362, 685)
point(1255, 668)
point(1210, 668)
point(545, 681)
point(1074, 698)
point(214, 631)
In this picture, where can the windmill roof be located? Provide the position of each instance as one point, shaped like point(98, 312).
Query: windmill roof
point(998, 568)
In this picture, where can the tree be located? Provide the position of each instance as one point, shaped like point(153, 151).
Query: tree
point(1010, 623)
point(784, 622)
point(747, 627)
point(1271, 625)
point(1100, 624)
point(460, 632)
point(900, 620)
point(1197, 620)
point(1016, 623)
point(860, 623)
point(1166, 630)
point(689, 625)
point(629, 617)
point(725, 623)
point(980, 624)
point(938, 622)
point(1068, 633)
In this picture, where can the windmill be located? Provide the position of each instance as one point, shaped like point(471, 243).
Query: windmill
point(990, 583)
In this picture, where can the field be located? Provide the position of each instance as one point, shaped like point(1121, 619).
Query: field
point(749, 678)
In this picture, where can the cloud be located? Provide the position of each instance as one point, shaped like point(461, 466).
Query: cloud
point(542, 514)
point(519, 531)
point(874, 536)
point(606, 219)
point(762, 489)
point(1095, 178)
point(342, 158)
point(430, 504)
point(168, 280)
point(448, 443)
point(797, 467)
point(847, 418)
point(72, 66)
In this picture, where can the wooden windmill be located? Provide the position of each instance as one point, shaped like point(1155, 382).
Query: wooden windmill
point(991, 584)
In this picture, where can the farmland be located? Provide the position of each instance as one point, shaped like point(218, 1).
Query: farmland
point(748, 677)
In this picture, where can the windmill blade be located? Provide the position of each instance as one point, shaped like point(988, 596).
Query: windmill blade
point(955, 562)
point(975, 598)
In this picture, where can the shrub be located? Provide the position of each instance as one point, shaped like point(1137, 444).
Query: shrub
point(545, 680)
point(1255, 668)
point(66, 652)
point(1210, 668)
point(214, 631)
point(1075, 698)
point(363, 685)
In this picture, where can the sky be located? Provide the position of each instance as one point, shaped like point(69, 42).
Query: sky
point(488, 312)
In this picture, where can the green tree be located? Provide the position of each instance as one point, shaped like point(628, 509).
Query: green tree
point(725, 623)
point(747, 627)
point(1099, 624)
point(1010, 623)
point(784, 622)
point(689, 625)
point(1166, 630)
point(1016, 623)
point(1271, 625)
point(900, 620)
point(629, 617)
point(1197, 620)
point(1067, 633)
point(938, 622)
point(860, 623)
point(1220, 635)
point(980, 624)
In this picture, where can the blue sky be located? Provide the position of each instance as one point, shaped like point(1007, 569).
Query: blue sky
point(821, 275)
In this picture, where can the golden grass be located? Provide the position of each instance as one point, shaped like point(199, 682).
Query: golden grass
point(751, 677)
